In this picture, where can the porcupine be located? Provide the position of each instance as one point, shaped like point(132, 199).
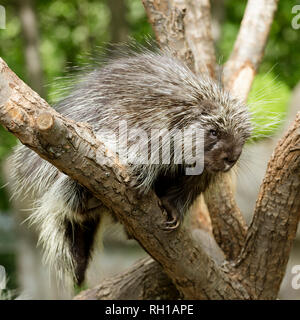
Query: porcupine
point(147, 90)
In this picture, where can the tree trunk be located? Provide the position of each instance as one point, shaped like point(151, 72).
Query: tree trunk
point(31, 45)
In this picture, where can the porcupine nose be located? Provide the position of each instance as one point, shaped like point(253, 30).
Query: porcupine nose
point(229, 161)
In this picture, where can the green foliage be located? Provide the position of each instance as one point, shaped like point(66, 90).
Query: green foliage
point(7, 141)
point(268, 101)
point(283, 47)
point(138, 23)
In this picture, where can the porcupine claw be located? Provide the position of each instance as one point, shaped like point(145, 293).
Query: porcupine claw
point(174, 223)
point(171, 225)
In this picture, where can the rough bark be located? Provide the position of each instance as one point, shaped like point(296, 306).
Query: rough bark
point(145, 280)
point(184, 26)
point(229, 227)
point(167, 20)
point(264, 257)
point(198, 32)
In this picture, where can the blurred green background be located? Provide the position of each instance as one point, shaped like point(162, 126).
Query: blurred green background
point(68, 33)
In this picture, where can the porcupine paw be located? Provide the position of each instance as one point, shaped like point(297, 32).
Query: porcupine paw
point(173, 218)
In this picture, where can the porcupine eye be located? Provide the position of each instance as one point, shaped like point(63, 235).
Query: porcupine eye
point(213, 133)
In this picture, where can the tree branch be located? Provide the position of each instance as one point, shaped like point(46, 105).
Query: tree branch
point(145, 280)
point(273, 229)
point(184, 26)
point(73, 149)
point(229, 227)
point(198, 33)
point(167, 20)
point(249, 46)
